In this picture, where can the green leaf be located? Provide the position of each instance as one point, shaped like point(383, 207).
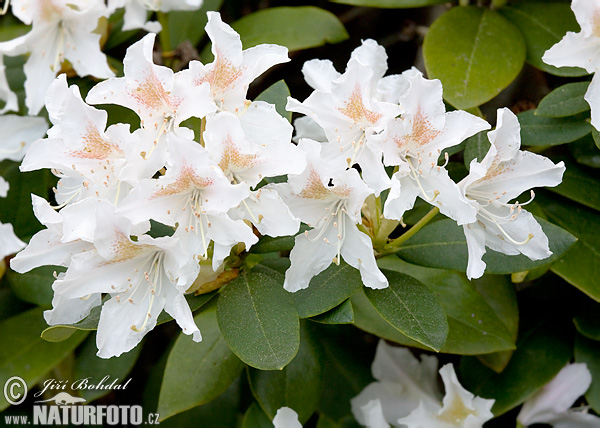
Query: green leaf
point(23, 353)
point(391, 4)
point(58, 333)
point(256, 418)
point(189, 25)
point(585, 151)
point(34, 286)
point(268, 244)
point(475, 52)
point(277, 94)
point(259, 321)
point(541, 353)
point(566, 100)
point(203, 370)
point(297, 386)
point(588, 321)
point(327, 290)
point(325, 422)
point(476, 147)
point(551, 131)
point(596, 137)
point(543, 25)
point(476, 318)
point(587, 351)
point(410, 307)
point(443, 245)
point(341, 314)
point(579, 186)
point(16, 208)
point(579, 266)
point(296, 28)
point(94, 368)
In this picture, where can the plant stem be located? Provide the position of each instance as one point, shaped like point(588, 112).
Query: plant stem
point(393, 246)
point(165, 38)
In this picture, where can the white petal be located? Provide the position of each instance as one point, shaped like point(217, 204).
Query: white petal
point(70, 311)
point(402, 196)
point(17, 133)
point(286, 418)
point(178, 308)
point(475, 236)
point(319, 73)
point(424, 416)
point(9, 243)
point(6, 94)
point(372, 415)
point(357, 251)
point(575, 50)
point(592, 96)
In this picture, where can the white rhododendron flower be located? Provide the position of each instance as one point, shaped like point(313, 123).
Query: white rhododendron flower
point(406, 394)
point(286, 418)
point(504, 173)
point(232, 70)
point(136, 11)
point(161, 98)
point(328, 197)
point(414, 143)
point(60, 30)
point(349, 109)
point(9, 242)
point(552, 403)
point(582, 50)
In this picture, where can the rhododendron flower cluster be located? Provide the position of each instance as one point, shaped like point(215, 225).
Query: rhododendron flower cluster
point(211, 190)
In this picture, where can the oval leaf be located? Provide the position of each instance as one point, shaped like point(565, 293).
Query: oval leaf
point(203, 370)
point(342, 314)
point(277, 95)
point(587, 351)
point(391, 4)
point(566, 100)
point(296, 28)
point(410, 307)
point(189, 25)
point(475, 52)
point(543, 25)
point(259, 321)
point(579, 186)
point(551, 131)
point(443, 245)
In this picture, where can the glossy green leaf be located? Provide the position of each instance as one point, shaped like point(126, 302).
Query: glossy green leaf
point(325, 422)
point(566, 100)
point(277, 94)
point(256, 418)
point(189, 25)
point(585, 151)
point(259, 321)
point(34, 286)
point(476, 147)
point(475, 52)
point(341, 314)
point(551, 131)
point(480, 321)
point(296, 28)
point(596, 137)
point(297, 386)
point(587, 351)
point(57, 333)
point(579, 185)
point(579, 266)
point(391, 4)
point(410, 307)
point(16, 207)
point(587, 321)
point(541, 353)
point(327, 290)
point(443, 245)
point(202, 370)
point(543, 25)
point(23, 353)
point(95, 369)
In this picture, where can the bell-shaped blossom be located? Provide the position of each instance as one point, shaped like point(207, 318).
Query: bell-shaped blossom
point(328, 198)
point(61, 30)
point(232, 70)
point(195, 195)
point(582, 50)
point(247, 160)
point(8, 99)
point(17, 133)
point(162, 99)
point(136, 11)
point(504, 173)
point(286, 418)
point(142, 277)
point(552, 403)
point(349, 109)
point(406, 394)
point(414, 143)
